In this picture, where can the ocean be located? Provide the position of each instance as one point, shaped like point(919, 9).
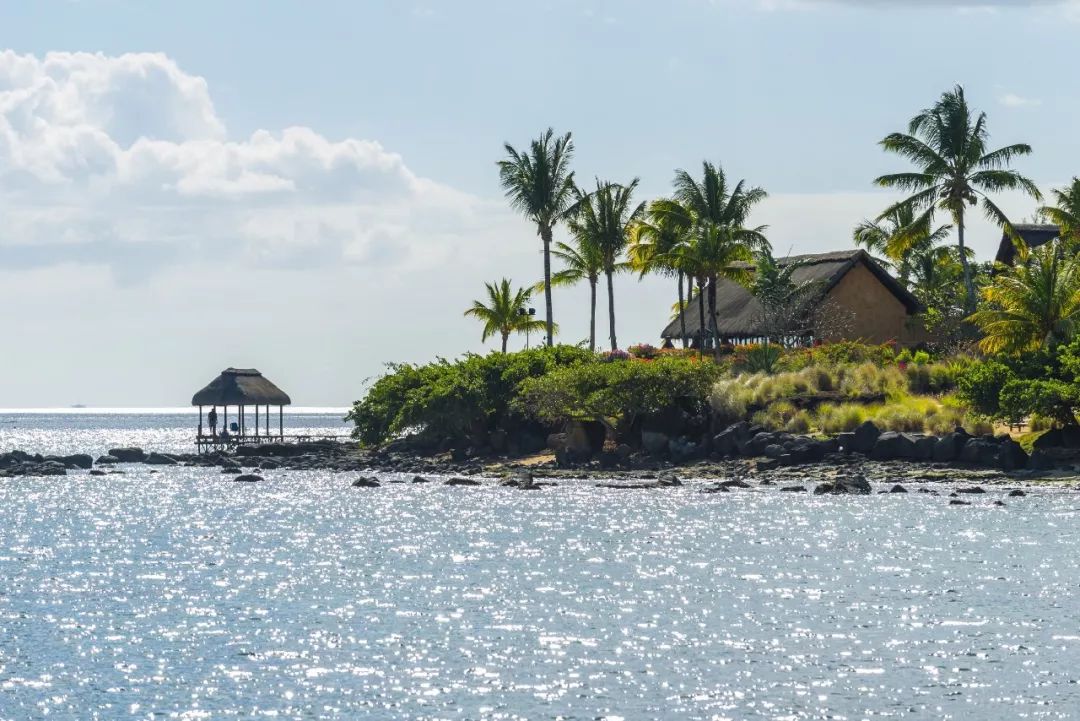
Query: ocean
point(183, 595)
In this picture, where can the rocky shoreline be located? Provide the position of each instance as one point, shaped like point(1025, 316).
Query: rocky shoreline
point(741, 457)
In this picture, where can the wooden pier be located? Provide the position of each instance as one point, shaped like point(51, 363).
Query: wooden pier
point(207, 443)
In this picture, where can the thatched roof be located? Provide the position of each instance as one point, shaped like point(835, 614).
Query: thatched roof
point(739, 314)
point(241, 386)
point(1032, 235)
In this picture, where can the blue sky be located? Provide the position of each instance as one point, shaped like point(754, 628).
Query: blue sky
point(386, 187)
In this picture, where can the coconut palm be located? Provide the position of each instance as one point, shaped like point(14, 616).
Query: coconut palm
point(716, 216)
point(540, 184)
point(897, 238)
point(505, 311)
point(660, 231)
point(581, 261)
point(1033, 305)
point(954, 170)
point(607, 216)
point(1066, 214)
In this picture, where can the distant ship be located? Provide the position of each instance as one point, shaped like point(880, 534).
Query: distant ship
point(78, 405)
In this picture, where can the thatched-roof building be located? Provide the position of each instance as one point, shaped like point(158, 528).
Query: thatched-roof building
point(240, 387)
point(1032, 235)
point(849, 296)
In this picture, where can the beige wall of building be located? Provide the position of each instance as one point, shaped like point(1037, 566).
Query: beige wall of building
point(860, 307)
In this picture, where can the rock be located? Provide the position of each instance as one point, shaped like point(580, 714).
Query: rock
point(845, 442)
point(716, 489)
point(735, 483)
point(654, 443)
point(924, 447)
point(892, 445)
point(1017, 493)
point(793, 489)
point(999, 503)
point(768, 464)
point(461, 482)
point(956, 502)
point(248, 478)
point(766, 482)
point(1059, 438)
point(79, 460)
point(864, 437)
point(1010, 455)
point(855, 484)
point(683, 450)
point(897, 489)
point(773, 450)
point(107, 460)
point(128, 455)
point(159, 459)
point(366, 483)
point(420, 479)
point(980, 451)
point(623, 452)
point(973, 489)
point(96, 472)
point(1040, 460)
point(668, 479)
point(948, 448)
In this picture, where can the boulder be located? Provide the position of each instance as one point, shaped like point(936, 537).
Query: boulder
point(1059, 438)
point(248, 478)
point(727, 441)
point(79, 460)
point(773, 450)
point(461, 482)
point(854, 484)
point(716, 489)
point(128, 455)
point(735, 483)
point(160, 459)
point(768, 464)
point(1040, 460)
point(979, 451)
point(96, 472)
point(793, 489)
point(107, 460)
point(845, 442)
point(892, 445)
point(366, 483)
point(1010, 455)
point(864, 437)
point(924, 446)
point(957, 502)
point(420, 479)
point(949, 447)
point(897, 489)
point(973, 489)
point(1017, 493)
point(668, 478)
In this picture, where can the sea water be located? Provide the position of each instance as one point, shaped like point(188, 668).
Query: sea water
point(183, 595)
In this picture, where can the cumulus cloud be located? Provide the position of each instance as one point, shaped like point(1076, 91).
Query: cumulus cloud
point(125, 161)
point(1012, 100)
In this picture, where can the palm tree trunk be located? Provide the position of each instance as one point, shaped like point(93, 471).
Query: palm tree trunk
point(701, 317)
point(712, 314)
point(592, 314)
point(682, 311)
point(969, 285)
point(611, 309)
point(545, 235)
point(505, 336)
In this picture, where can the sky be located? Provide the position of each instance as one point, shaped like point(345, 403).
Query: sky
point(311, 189)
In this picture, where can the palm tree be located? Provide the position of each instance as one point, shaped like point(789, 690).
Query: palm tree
point(1033, 305)
point(662, 229)
point(717, 218)
point(607, 216)
point(954, 170)
point(1066, 214)
point(582, 261)
point(540, 184)
point(898, 238)
point(714, 252)
point(505, 311)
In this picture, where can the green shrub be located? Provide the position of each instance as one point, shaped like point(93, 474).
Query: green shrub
point(851, 353)
point(904, 356)
point(921, 358)
point(763, 358)
point(869, 379)
point(819, 379)
point(800, 422)
point(1053, 399)
point(620, 390)
point(454, 399)
point(729, 400)
point(980, 385)
point(841, 418)
point(1038, 423)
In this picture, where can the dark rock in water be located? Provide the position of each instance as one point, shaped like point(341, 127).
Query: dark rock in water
point(844, 442)
point(248, 478)
point(897, 489)
point(128, 455)
point(522, 480)
point(366, 483)
point(632, 486)
point(980, 452)
point(972, 489)
point(793, 489)
point(79, 460)
point(892, 445)
point(1016, 493)
point(160, 459)
point(999, 503)
point(461, 482)
point(716, 489)
point(855, 484)
point(668, 479)
point(766, 482)
point(107, 460)
point(726, 442)
point(773, 450)
point(420, 479)
point(735, 483)
point(956, 502)
point(768, 464)
point(96, 472)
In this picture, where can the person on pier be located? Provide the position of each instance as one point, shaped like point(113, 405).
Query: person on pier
point(211, 418)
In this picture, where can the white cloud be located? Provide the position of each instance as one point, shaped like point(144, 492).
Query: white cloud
point(1011, 100)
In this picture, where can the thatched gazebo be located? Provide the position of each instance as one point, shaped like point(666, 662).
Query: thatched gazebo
point(241, 387)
